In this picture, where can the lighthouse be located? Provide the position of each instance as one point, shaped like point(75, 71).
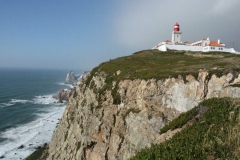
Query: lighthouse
point(176, 34)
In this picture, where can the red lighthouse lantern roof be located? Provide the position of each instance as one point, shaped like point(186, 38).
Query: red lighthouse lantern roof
point(176, 27)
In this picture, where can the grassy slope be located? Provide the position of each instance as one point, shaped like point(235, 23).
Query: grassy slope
point(156, 64)
point(159, 65)
point(149, 64)
point(213, 135)
point(39, 154)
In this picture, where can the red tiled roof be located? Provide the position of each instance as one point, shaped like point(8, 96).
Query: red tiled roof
point(215, 43)
point(167, 41)
point(187, 42)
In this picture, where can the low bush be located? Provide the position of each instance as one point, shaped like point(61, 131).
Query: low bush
point(214, 136)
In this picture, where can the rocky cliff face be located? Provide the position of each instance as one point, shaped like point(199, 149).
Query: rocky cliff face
point(97, 126)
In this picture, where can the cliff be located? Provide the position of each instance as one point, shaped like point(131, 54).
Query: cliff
point(124, 103)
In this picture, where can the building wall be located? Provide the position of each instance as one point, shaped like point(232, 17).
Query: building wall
point(176, 37)
point(180, 47)
point(218, 49)
point(165, 47)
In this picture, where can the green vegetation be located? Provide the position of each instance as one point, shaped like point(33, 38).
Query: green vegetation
point(215, 134)
point(236, 85)
point(65, 137)
point(78, 145)
point(38, 154)
point(149, 64)
point(75, 94)
point(180, 121)
point(156, 64)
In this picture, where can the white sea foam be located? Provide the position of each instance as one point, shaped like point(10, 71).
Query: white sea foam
point(30, 135)
point(14, 101)
point(41, 99)
point(6, 104)
point(64, 84)
point(19, 101)
point(46, 99)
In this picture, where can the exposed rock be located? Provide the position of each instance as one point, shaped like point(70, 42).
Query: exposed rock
point(118, 72)
point(93, 127)
point(74, 80)
point(63, 95)
point(21, 147)
point(71, 78)
point(83, 76)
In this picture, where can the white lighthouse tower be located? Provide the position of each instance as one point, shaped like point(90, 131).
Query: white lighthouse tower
point(176, 34)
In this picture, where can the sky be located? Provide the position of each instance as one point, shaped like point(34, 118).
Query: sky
point(81, 34)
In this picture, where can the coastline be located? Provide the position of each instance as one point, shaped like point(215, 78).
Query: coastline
point(25, 139)
point(28, 112)
point(34, 131)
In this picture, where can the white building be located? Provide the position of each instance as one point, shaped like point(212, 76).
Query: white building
point(204, 45)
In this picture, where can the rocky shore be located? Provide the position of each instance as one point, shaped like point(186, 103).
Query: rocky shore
point(65, 94)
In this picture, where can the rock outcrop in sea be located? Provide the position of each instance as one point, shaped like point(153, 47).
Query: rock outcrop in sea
point(64, 94)
point(71, 78)
point(74, 80)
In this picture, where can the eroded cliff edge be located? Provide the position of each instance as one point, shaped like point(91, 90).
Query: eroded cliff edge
point(121, 107)
point(93, 127)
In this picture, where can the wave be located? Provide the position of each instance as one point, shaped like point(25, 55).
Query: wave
point(19, 101)
point(64, 84)
point(5, 105)
point(13, 102)
point(30, 135)
point(41, 99)
point(45, 99)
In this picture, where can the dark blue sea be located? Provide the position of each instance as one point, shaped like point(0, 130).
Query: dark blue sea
point(28, 113)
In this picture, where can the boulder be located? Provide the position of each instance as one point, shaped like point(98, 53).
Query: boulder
point(63, 95)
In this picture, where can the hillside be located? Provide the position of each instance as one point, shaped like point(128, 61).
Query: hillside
point(212, 132)
point(124, 103)
point(149, 64)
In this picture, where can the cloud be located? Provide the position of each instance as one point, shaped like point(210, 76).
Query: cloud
point(141, 24)
point(222, 7)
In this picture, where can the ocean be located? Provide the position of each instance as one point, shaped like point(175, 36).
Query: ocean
point(28, 113)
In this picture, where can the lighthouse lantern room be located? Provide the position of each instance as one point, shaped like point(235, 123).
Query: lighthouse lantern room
point(176, 34)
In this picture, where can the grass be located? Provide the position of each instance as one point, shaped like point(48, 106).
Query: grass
point(213, 135)
point(149, 64)
point(38, 154)
point(180, 121)
point(159, 65)
point(78, 145)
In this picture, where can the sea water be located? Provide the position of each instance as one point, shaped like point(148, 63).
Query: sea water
point(28, 113)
